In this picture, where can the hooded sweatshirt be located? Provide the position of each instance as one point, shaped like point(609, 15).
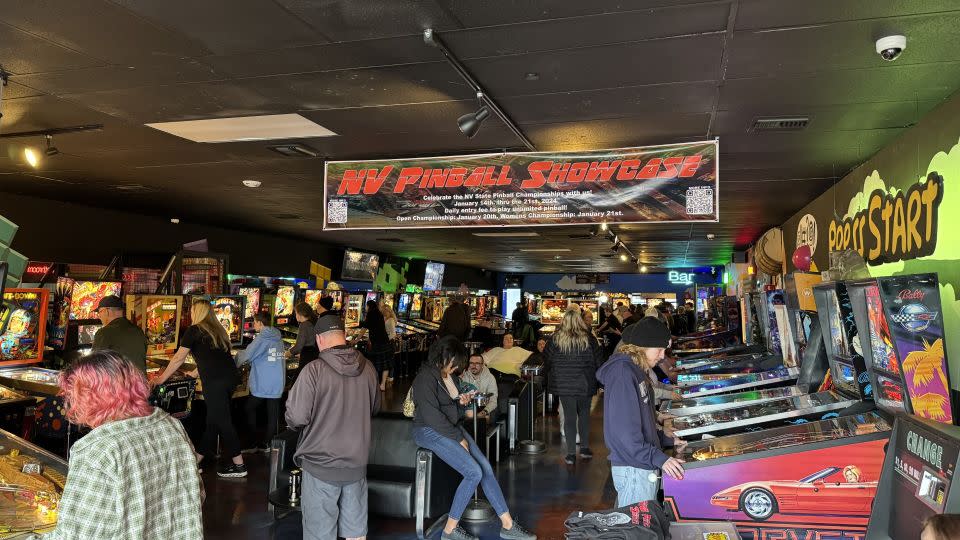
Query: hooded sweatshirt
point(629, 419)
point(331, 404)
point(268, 367)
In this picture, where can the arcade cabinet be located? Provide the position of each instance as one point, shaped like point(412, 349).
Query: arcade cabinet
point(229, 310)
point(253, 297)
point(918, 478)
point(194, 273)
point(23, 315)
point(159, 317)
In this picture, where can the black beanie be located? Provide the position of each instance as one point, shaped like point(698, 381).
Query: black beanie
point(647, 332)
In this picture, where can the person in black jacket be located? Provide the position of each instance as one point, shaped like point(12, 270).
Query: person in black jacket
point(438, 426)
point(572, 358)
point(306, 345)
point(381, 348)
point(456, 320)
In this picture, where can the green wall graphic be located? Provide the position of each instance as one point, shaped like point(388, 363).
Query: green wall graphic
point(931, 149)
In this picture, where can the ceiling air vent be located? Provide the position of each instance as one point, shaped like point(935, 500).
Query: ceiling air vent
point(786, 123)
point(294, 150)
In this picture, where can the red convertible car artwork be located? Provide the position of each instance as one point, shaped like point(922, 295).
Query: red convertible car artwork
point(844, 495)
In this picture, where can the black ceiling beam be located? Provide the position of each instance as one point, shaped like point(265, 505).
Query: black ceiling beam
point(431, 38)
point(52, 131)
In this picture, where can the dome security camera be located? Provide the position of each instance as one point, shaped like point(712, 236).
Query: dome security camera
point(890, 47)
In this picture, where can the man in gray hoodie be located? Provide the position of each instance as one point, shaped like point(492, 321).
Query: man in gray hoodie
point(331, 404)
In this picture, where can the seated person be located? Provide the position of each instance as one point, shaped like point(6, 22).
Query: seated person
point(506, 359)
point(479, 377)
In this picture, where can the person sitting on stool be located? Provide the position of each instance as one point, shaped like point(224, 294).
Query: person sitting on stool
point(480, 377)
point(438, 426)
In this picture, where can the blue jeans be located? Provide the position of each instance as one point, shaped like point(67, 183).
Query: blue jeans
point(472, 465)
point(633, 485)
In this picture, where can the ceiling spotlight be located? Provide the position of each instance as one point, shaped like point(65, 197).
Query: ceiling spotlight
point(643, 268)
point(32, 156)
point(615, 246)
point(623, 257)
point(603, 226)
point(252, 183)
point(711, 236)
point(175, 221)
point(470, 123)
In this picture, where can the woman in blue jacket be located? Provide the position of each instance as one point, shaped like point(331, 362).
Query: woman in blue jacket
point(268, 371)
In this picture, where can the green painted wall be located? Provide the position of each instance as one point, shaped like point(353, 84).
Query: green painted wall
point(931, 146)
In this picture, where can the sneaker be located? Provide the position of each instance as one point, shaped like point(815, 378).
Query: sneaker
point(459, 534)
point(570, 459)
point(586, 453)
point(233, 471)
point(517, 533)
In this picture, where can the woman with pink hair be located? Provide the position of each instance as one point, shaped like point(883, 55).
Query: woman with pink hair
point(134, 476)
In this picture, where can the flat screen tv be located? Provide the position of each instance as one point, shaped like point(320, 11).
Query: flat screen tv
point(433, 277)
point(360, 266)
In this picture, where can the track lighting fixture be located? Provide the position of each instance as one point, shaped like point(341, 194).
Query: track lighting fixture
point(469, 124)
point(34, 157)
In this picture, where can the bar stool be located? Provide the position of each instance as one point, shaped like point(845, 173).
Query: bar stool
point(478, 510)
point(532, 445)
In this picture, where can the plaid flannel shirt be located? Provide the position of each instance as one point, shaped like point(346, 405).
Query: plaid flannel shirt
point(133, 479)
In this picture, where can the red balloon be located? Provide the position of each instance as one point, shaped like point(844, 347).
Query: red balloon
point(802, 258)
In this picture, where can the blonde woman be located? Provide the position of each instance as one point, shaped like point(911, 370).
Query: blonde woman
point(390, 325)
point(572, 358)
point(209, 344)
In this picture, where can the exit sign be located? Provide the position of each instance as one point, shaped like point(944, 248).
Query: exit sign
point(680, 278)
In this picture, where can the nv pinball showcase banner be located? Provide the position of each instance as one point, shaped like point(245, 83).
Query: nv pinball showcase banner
point(665, 184)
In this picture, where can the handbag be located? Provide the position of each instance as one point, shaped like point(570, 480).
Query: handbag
point(408, 406)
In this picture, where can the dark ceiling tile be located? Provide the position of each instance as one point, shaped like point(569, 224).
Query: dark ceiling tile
point(14, 90)
point(181, 102)
point(346, 20)
point(592, 31)
point(623, 132)
point(611, 103)
point(755, 14)
point(612, 66)
point(854, 116)
point(105, 30)
point(326, 57)
point(894, 82)
point(493, 12)
point(152, 72)
point(44, 112)
point(21, 52)
point(227, 26)
point(361, 87)
point(849, 45)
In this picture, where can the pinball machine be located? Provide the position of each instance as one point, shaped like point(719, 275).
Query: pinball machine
point(159, 316)
point(253, 297)
point(32, 482)
point(354, 309)
point(83, 322)
point(230, 311)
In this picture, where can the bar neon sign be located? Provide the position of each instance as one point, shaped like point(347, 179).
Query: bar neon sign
point(680, 278)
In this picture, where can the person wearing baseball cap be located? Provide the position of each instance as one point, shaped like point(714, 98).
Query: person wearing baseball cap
point(630, 428)
point(118, 334)
point(331, 405)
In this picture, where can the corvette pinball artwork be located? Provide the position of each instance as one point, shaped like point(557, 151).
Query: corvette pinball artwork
point(912, 305)
point(814, 479)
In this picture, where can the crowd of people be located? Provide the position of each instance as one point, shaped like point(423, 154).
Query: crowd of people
point(136, 474)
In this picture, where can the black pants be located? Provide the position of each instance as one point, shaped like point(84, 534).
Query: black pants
point(217, 395)
point(576, 408)
point(273, 417)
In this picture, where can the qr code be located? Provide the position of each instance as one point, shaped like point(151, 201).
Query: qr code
point(337, 211)
point(699, 201)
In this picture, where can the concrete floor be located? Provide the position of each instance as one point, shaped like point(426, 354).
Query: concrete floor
point(540, 490)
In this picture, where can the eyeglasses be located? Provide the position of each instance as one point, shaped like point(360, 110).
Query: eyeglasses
point(476, 363)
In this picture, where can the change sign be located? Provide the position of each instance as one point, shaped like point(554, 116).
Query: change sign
point(670, 183)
